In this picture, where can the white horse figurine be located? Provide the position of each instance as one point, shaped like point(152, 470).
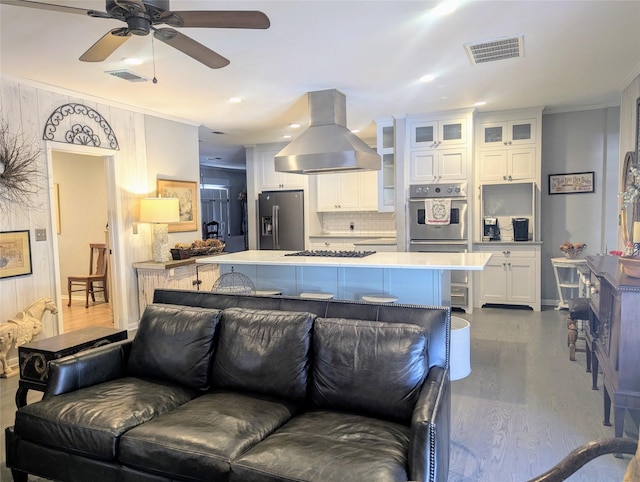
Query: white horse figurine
point(21, 329)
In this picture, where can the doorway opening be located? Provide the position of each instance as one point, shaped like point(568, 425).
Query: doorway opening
point(80, 217)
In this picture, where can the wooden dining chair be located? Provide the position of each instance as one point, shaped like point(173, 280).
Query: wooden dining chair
point(211, 230)
point(96, 280)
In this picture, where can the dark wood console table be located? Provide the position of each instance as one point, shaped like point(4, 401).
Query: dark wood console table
point(615, 330)
point(34, 357)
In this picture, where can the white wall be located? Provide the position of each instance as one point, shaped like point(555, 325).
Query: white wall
point(130, 174)
point(578, 142)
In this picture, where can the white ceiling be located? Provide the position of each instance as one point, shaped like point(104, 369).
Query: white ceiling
point(577, 54)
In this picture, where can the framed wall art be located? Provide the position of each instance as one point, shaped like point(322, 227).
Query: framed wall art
point(15, 254)
point(187, 193)
point(572, 183)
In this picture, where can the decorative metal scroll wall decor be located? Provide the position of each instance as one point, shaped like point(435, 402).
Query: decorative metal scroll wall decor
point(80, 125)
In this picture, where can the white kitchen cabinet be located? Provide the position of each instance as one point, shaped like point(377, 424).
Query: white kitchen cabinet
point(387, 175)
point(433, 134)
point(436, 165)
point(334, 244)
point(352, 191)
point(508, 133)
point(507, 165)
point(511, 277)
point(269, 179)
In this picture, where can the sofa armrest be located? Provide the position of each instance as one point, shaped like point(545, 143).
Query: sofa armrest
point(87, 368)
point(430, 429)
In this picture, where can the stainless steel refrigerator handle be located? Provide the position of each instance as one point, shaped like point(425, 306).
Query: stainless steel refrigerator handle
point(275, 213)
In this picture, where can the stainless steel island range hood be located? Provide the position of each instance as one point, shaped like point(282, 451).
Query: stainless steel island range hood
point(327, 145)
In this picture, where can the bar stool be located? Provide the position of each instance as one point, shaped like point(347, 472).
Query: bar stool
point(379, 298)
point(578, 313)
point(316, 295)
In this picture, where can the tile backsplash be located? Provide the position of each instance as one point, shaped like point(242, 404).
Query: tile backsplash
point(364, 223)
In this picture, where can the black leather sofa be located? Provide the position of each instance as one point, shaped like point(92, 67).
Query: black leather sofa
point(248, 388)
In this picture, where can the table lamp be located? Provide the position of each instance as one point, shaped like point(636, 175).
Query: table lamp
point(160, 211)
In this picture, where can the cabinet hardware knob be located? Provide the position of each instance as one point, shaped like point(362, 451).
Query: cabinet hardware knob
point(504, 178)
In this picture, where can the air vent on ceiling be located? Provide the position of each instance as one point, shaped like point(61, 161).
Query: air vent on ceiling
point(496, 49)
point(126, 75)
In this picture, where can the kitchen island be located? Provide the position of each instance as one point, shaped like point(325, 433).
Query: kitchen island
point(413, 278)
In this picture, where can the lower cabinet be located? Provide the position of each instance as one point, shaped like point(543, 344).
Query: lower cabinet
point(511, 277)
point(181, 274)
point(334, 244)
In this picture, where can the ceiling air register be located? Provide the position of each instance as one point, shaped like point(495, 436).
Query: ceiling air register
point(496, 49)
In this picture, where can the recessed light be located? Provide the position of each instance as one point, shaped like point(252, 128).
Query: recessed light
point(286, 136)
point(445, 8)
point(132, 61)
point(295, 125)
point(478, 104)
point(428, 78)
point(355, 131)
point(235, 100)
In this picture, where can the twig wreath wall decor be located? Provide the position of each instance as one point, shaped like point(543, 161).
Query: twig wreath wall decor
point(19, 174)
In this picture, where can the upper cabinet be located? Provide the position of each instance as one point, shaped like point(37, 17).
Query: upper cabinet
point(387, 176)
point(508, 133)
point(438, 133)
point(352, 191)
point(268, 179)
point(438, 147)
point(508, 146)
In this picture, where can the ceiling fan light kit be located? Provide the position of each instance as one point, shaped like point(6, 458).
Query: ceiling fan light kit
point(141, 17)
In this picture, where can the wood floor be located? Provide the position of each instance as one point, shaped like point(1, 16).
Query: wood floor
point(77, 316)
point(523, 407)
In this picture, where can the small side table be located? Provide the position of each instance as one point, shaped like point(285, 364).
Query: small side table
point(566, 273)
point(34, 357)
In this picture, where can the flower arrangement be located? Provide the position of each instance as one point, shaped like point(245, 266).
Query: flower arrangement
point(631, 194)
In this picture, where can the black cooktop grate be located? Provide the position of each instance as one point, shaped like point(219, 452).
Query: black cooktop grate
point(332, 254)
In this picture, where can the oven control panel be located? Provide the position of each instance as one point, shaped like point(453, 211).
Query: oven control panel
point(418, 191)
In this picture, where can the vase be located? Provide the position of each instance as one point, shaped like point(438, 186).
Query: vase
point(630, 265)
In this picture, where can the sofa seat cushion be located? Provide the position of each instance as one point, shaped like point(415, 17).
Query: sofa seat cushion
point(368, 367)
point(199, 439)
point(328, 446)
point(167, 330)
point(263, 351)
point(90, 421)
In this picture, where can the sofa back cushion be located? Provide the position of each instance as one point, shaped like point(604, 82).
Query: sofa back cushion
point(174, 343)
point(368, 367)
point(264, 351)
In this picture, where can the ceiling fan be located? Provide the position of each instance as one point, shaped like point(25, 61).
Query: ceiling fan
point(141, 17)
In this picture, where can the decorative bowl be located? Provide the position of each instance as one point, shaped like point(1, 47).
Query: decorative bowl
point(630, 265)
point(572, 253)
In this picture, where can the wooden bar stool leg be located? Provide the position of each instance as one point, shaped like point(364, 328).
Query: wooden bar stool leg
point(69, 291)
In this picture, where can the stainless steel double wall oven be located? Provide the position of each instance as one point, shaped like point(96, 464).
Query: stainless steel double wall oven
point(451, 236)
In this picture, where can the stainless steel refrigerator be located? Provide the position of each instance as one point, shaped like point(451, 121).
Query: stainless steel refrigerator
point(281, 218)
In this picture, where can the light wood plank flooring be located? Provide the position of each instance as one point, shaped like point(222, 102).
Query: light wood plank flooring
point(77, 316)
point(523, 407)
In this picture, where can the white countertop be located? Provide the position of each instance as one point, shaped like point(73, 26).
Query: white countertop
point(392, 260)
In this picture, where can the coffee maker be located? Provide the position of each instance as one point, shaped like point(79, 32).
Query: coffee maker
point(491, 230)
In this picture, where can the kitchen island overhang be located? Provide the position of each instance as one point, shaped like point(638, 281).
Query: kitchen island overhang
point(414, 278)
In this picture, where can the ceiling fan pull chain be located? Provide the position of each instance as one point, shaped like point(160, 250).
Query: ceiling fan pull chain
point(153, 58)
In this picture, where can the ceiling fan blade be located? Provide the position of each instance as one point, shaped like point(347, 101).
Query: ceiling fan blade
point(104, 47)
point(217, 19)
point(190, 47)
point(45, 6)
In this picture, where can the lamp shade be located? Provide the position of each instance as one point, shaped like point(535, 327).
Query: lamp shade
point(160, 210)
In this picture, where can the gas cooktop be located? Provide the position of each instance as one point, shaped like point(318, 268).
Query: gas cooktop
point(333, 254)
